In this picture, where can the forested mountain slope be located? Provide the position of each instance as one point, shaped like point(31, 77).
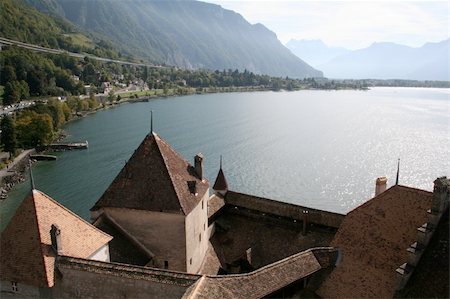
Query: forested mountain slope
point(19, 21)
point(189, 34)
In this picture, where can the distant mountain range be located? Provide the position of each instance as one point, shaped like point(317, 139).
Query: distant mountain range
point(188, 34)
point(378, 61)
point(314, 52)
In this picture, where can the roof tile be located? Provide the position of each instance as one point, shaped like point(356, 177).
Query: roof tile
point(373, 239)
point(155, 179)
point(26, 254)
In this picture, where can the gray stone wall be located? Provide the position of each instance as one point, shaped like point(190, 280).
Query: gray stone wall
point(23, 290)
point(282, 209)
point(89, 279)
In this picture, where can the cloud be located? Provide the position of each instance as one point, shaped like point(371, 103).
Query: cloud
point(352, 24)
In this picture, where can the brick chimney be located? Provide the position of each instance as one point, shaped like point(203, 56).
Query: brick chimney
point(55, 237)
point(380, 185)
point(198, 165)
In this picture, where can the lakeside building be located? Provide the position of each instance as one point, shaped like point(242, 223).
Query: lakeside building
point(162, 235)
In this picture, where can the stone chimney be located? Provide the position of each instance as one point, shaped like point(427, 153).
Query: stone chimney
point(380, 185)
point(55, 237)
point(305, 222)
point(198, 165)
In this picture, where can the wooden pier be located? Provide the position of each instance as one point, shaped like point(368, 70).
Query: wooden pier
point(69, 146)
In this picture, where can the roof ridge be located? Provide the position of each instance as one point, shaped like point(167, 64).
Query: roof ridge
point(157, 138)
point(386, 192)
point(129, 267)
point(72, 213)
point(414, 189)
point(274, 264)
point(49, 284)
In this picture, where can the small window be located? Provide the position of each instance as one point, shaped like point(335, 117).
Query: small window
point(199, 237)
point(190, 261)
point(14, 286)
point(202, 204)
point(166, 264)
point(204, 226)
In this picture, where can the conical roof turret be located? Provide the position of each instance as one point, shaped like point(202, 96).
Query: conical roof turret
point(155, 178)
point(220, 185)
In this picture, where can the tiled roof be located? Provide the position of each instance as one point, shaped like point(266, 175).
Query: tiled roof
point(237, 231)
point(259, 283)
point(215, 203)
point(128, 271)
point(211, 263)
point(26, 252)
point(373, 239)
point(221, 182)
point(156, 179)
point(430, 278)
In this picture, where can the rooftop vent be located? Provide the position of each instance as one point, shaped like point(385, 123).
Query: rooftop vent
point(55, 237)
point(192, 185)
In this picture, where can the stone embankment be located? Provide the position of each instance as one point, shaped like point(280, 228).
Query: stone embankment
point(14, 172)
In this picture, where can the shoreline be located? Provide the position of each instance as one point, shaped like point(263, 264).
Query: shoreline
point(15, 173)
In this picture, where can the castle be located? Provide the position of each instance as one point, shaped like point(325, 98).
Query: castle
point(157, 233)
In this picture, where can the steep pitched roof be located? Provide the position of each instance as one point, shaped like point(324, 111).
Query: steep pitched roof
point(221, 182)
point(373, 239)
point(26, 254)
point(262, 282)
point(156, 179)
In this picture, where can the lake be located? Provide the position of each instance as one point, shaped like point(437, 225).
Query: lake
point(322, 149)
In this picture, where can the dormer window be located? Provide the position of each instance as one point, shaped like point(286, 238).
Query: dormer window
point(192, 185)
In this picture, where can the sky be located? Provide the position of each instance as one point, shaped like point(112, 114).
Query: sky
point(350, 24)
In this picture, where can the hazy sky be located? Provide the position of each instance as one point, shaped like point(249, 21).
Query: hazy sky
point(351, 24)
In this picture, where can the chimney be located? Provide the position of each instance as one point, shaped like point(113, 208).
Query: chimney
point(305, 222)
point(380, 185)
point(192, 185)
point(198, 165)
point(55, 237)
point(441, 194)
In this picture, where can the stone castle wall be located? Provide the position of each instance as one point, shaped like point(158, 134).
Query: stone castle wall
point(285, 210)
point(79, 278)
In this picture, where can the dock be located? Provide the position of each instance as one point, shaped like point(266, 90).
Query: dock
point(43, 157)
point(69, 146)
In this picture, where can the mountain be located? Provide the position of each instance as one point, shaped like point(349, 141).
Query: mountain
point(21, 22)
point(314, 52)
point(392, 61)
point(188, 34)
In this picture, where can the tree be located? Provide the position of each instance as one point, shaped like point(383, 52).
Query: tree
point(11, 94)
point(8, 75)
point(34, 129)
point(111, 96)
point(8, 135)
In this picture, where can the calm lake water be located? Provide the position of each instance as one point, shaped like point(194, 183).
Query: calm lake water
point(322, 149)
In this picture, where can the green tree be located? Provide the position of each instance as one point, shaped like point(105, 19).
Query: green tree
point(8, 75)
point(111, 96)
point(11, 94)
point(34, 129)
point(8, 135)
point(57, 113)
